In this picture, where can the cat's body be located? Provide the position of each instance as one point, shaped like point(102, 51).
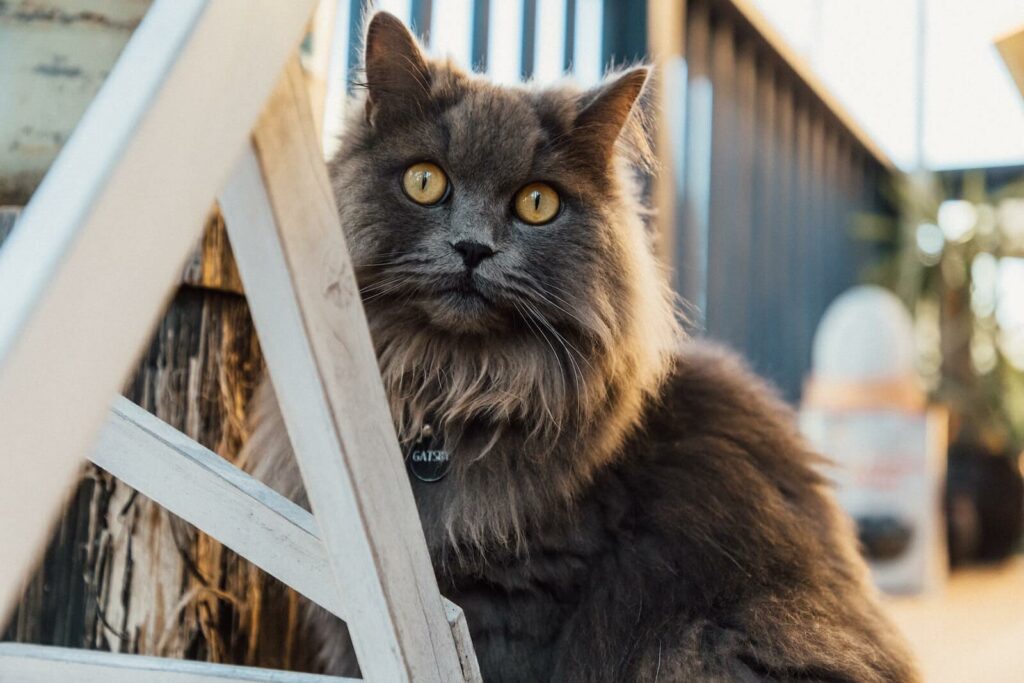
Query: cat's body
point(622, 504)
point(710, 550)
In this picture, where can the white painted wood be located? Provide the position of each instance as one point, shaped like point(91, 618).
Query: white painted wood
point(213, 495)
point(291, 253)
point(246, 515)
point(463, 642)
point(104, 238)
point(21, 663)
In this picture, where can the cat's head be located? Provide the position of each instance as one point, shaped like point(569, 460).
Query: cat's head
point(500, 223)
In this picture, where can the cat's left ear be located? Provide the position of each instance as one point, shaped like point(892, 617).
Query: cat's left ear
point(607, 109)
point(397, 75)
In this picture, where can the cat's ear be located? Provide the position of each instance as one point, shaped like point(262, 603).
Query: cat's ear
point(397, 76)
point(606, 110)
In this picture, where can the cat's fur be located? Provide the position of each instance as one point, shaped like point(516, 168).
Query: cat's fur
point(623, 504)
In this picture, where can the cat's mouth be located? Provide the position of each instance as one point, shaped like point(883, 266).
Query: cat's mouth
point(463, 303)
point(466, 291)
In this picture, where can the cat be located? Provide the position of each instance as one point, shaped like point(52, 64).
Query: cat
point(623, 503)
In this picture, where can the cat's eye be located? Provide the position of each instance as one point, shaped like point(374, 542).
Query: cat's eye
point(425, 183)
point(537, 203)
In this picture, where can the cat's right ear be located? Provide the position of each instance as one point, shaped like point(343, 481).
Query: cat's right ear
point(397, 76)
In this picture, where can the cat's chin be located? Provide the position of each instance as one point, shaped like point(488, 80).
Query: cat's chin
point(463, 312)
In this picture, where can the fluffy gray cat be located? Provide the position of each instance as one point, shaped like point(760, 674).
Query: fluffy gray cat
point(619, 503)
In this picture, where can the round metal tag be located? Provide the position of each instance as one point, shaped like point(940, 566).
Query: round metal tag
point(427, 459)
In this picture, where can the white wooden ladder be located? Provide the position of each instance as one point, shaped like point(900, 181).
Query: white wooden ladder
point(208, 97)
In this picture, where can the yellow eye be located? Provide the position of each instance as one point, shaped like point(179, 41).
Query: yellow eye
point(537, 203)
point(425, 183)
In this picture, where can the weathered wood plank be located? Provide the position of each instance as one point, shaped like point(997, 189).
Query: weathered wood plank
point(211, 264)
point(210, 493)
point(42, 664)
point(105, 581)
point(241, 512)
point(463, 642)
point(55, 55)
point(82, 281)
point(161, 589)
point(291, 253)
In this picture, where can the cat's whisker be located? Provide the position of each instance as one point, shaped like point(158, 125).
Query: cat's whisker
point(383, 292)
point(544, 296)
point(534, 330)
point(577, 372)
point(373, 290)
point(379, 284)
point(532, 288)
point(539, 319)
point(403, 259)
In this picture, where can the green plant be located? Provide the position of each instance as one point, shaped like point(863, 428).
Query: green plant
point(953, 251)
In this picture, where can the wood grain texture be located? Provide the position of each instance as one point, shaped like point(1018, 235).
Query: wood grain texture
point(122, 573)
point(211, 264)
point(294, 263)
point(239, 511)
point(96, 586)
point(210, 493)
point(55, 56)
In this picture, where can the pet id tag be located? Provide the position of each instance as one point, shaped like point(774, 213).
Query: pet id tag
point(427, 459)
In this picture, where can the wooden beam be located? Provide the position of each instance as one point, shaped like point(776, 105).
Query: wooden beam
point(216, 497)
point(100, 245)
point(291, 253)
point(246, 515)
point(43, 664)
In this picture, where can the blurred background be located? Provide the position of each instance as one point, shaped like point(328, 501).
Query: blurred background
point(807, 147)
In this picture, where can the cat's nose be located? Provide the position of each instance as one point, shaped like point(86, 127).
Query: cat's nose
point(473, 252)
